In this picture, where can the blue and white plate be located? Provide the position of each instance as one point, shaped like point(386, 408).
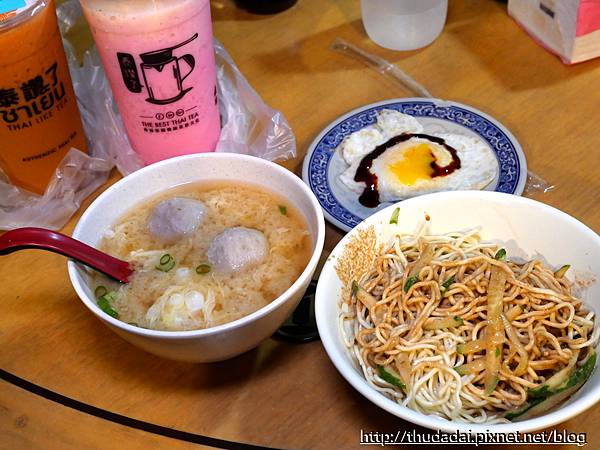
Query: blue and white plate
point(323, 164)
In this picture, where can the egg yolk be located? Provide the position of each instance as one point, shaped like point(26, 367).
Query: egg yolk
point(415, 165)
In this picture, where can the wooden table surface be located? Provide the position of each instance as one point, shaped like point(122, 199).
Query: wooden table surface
point(68, 382)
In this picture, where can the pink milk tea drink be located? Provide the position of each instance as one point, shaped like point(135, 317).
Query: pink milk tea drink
point(159, 59)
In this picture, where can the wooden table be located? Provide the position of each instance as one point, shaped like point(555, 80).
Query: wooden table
point(70, 383)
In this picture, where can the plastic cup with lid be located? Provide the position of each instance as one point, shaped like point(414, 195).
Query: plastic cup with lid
point(403, 24)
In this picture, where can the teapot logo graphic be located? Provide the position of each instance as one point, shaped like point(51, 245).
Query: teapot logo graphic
point(163, 73)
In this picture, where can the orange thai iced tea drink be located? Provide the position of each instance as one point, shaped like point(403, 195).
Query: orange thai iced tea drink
point(39, 119)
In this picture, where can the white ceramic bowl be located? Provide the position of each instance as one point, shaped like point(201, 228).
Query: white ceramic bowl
point(524, 227)
point(223, 341)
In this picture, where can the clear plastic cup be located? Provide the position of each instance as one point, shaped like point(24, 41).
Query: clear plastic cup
point(404, 24)
point(39, 118)
point(159, 59)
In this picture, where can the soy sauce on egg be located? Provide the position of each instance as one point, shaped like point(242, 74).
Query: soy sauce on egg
point(395, 158)
point(420, 161)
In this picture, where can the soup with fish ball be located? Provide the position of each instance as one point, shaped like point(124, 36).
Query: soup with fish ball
point(204, 254)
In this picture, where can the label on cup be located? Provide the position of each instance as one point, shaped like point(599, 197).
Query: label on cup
point(163, 76)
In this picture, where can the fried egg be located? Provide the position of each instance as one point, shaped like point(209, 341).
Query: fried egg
point(390, 123)
point(420, 164)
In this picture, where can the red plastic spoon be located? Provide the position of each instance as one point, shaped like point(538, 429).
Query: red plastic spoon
point(40, 238)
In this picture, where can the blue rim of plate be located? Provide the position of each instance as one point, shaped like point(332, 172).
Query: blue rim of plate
point(511, 159)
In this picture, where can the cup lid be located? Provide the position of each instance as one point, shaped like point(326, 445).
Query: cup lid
point(15, 11)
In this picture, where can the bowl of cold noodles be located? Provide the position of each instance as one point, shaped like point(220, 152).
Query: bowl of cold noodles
point(467, 311)
point(223, 247)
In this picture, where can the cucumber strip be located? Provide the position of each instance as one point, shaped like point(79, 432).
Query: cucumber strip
point(555, 380)
point(583, 373)
point(542, 405)
point(389, 375)
point(539, 405)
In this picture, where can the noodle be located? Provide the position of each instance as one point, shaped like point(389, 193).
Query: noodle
point(425, 297)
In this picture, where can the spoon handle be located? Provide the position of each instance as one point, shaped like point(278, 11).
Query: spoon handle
point(40, 238)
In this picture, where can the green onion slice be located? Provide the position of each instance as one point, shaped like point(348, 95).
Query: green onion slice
point(110, 296)
point(562, 271)
point(166, 263)
point(409, 282)
point(283, 209)
point(354, 288)
point(394, 218)
point(203, 269)
point(500, 255)
point(100, 291)
point(446, 284)
point(111, 312)
point(104, 304)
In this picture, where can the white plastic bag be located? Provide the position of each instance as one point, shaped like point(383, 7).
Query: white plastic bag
point(248, 126)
